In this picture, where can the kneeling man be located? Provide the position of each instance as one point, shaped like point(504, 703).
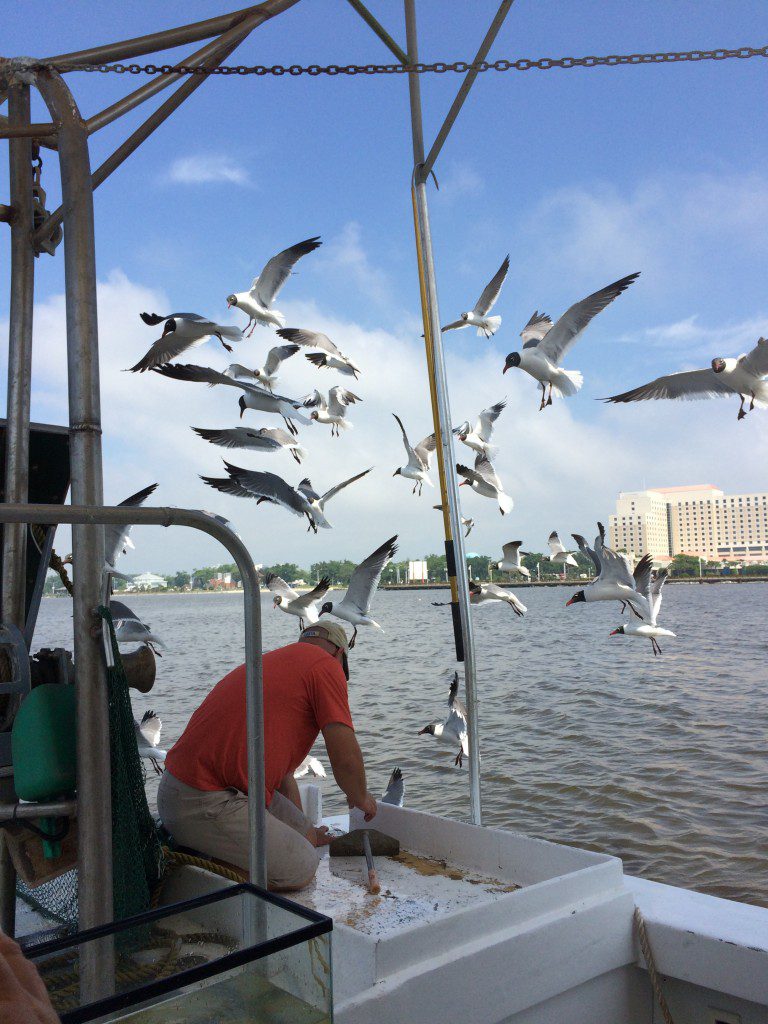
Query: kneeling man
point(202, 798)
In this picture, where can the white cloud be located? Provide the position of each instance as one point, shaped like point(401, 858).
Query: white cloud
point(459, 181)
point(344, 256)
point(204, 168)
point(690, 337)
point(564, 467)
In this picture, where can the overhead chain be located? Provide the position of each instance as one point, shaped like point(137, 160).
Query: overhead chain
point(421, 68)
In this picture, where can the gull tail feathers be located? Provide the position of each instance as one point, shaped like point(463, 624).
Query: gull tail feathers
point(492, 324)
point(568, 383)
point(506, 504)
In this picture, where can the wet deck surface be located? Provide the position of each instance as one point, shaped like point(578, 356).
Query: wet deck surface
point(414, 890)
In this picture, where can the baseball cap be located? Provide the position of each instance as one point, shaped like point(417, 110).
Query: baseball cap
point(334, 634)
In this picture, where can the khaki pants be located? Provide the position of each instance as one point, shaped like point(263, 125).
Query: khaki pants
point(216, 823)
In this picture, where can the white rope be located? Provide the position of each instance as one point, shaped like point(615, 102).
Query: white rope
point(645, 945)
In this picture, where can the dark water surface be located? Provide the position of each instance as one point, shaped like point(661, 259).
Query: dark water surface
point(585, 739)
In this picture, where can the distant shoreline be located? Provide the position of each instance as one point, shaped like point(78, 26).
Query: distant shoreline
point(573, 582)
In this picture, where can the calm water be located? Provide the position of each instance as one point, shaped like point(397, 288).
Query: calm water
point(586, 739)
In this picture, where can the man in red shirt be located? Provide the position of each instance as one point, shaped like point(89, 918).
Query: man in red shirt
point(202, 798)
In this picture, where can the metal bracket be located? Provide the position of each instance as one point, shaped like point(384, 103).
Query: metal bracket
point(12, 639)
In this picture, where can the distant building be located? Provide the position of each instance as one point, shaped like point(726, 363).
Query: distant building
point(147, 581)
point(698, 520)
point(417, 572)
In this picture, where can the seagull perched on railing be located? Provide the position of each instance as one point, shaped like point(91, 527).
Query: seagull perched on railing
point(355, 607)
point(418, 459)
point(252, 397)
point(302, 501)
point(262, 440)
point(511, 560)
point(257, 302)
point(182, 331)
point(147, 738)
point(650, 587)
point(745, 376)
point(454, 729)
point(615, 579)
point(478, 317)
point(479, 436)
point(484, 593)
point(333, 411)
point(330, 357)
point(484, 480)
point(544, 346)
point(288, 600)
point(267, 374)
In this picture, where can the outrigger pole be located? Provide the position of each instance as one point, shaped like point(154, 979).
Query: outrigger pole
point(68, 133)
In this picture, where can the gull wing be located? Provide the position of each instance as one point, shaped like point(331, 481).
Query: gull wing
point(492, 289)
point(455, 326)
point(116, 536)
point(410, 452)
point(555, 545)
point(269, 486)
point(757, 360)
point(278, 586)
point(310, 764)
point(456, 706)
point(277, 355)
point(616, 566)
point(642, 575)
point(657, 585)
point(228, 486)
point(484, 425)
point(239, 437)
point(153, 319)
point(690, 385)
point(316, 594)
point(308, 490)
point(563, 335)
point(150, 728)
point(340, 487)
point(239, 371)
point(585, 549)
point(207, 375)
point(469, 474)
point(315, 401)
point(511, 550)
point(339, 397)
point(424, 450)
point(393, 794)
point(484, 468)
point(365, 578)
point(163, 350)
point(536, 329)
point(277, 271)
point(311, 339)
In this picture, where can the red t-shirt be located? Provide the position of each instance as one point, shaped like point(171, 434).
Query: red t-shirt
point(304, 690)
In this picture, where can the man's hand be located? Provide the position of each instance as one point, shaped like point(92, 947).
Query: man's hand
point(319, 836)
point(368, 806)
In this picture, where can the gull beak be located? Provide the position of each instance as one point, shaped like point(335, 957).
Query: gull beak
point(568, 603)
point(229, 305)
point(613, 632)
point(464, 483)
point(505, 370)
point(242, 410)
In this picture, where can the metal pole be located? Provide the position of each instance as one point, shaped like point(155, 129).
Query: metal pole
point(94, 849)
point(466, 85)
point(27, 131)
point(252, 609)
point(442, 420)
point(14, 575)
point(379, 30)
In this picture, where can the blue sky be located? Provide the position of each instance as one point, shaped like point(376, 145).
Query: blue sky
point(583, 176)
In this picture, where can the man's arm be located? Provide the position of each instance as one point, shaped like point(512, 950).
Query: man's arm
point(347, 766)
point(290, 790)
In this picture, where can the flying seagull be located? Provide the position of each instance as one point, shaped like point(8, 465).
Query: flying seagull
point(310, 764)
point(615, 579)
point(267, 374)
point(257, 302)
point(484, 480)
point(395, 790)
point(252, 397)
point(182, 331)
point(147, 733)
point(651, 587)
point(483, 593)
point(453, 730)
point(305, 606)
point(545, 346)
point(355, 606)
point(478, 317)
point(333, 411)
point(511, 559)
point(117, 538)
point(479, 436)
point(418, 459)
point(301, 501)
point(129, 629)
point(744, 376)
point(557, 553)
point(466, 521)
point(330, 357)
point(262, 439)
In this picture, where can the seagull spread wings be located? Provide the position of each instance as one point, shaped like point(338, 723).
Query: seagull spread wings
point(116, 537)
point(509, 551)
point(188, 330)
point(150, 728)
point(277, 355)
point(277, 271)
point(537, 328)
point(690, 385)
point(207, 375)
point(310, 339)
point(243, 437)
point(277, 585)
point(422, 453)
point(559, 339)
point(491, 291)
point(486, 419)
point(366, 576)
point(340, 487)
point(268, 486)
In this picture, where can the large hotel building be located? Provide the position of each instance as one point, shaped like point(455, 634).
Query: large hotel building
point(698, 520)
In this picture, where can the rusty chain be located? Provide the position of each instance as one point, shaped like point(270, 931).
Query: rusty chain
point(438, 67)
